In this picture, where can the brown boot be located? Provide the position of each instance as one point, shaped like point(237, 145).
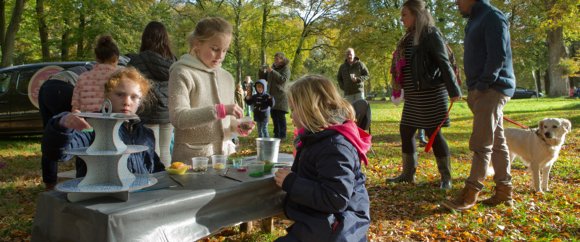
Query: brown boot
point(503, 194)
point(465, 199)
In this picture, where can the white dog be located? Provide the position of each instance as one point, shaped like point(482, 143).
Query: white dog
point(538, 148)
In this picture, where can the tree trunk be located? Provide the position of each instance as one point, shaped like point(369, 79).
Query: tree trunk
point(265, 11)
point(237, 46)
point(2, 21)
point(556, 51)
point(538, 79)
point(65, 38)
point(42, 30)
point(547, 81)
point(81, 34)
point(298, 53)
point(8, 45)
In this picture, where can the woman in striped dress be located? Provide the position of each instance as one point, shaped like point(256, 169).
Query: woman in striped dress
point(422, 71)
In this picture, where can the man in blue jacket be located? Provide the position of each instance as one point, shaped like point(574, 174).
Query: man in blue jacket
point(491, 83)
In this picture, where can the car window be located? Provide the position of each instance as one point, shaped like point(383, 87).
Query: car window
point(23, 80)
point(4, 82)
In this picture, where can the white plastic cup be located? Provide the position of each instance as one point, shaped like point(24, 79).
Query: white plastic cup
point(219, 162)
point(199, 164)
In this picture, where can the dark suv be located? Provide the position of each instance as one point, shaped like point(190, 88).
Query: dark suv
point(19, 87)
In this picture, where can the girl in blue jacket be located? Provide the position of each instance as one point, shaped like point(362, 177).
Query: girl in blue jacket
point(126, 89)
point(326, 194)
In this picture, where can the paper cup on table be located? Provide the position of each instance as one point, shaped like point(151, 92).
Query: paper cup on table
point(218, 162)
point(199, 164)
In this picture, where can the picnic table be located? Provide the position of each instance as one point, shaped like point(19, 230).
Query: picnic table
point(178, 208)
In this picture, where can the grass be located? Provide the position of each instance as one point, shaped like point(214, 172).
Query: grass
point(398, 212)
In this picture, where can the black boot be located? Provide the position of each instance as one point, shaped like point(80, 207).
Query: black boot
point(444, 166)
point(409, 169)
point(421, 137)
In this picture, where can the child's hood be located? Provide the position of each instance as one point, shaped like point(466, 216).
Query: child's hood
point(264, 83)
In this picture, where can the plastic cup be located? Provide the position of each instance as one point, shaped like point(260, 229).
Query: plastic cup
point(218, 162)
point(268, 165)
point(199, 164)
point(237, 163)
point(256, 169)
point(246, 123)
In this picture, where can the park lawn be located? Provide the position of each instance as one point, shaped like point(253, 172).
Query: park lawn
point(399, 212)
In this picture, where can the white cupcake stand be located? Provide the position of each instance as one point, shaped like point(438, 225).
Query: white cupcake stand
point(106, 160)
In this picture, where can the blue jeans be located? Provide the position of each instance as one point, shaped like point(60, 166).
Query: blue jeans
point(279, 120)
point(263, 129)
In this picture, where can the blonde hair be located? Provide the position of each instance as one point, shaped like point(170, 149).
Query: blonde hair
point(207, 28)
point(423, 19)
point(317, 103)
point(132, 74)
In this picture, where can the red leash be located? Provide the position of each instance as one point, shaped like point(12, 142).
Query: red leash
point(432, 138)
point(516, 123)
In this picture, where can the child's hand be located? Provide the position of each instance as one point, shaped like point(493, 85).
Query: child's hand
point(71, 121)
point(280, 176)
point(235, 110)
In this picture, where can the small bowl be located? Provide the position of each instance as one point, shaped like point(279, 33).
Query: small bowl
point(178, 171)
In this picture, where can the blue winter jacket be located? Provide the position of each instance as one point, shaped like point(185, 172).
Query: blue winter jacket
point(261, 102)
point(488, 54)
point(326, 194)
point(56, 139)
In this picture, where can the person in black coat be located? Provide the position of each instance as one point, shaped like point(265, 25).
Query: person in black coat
point(153, 61)
point(55, 97)
point(424, 75)
point(326, 194)
point(126, 89)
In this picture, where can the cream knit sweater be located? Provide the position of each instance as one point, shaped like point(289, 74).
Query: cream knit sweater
point(194, 90)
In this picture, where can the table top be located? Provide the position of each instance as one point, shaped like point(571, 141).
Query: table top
point(178, 208)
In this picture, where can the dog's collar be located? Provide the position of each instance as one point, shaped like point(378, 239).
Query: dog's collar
point(541, 136)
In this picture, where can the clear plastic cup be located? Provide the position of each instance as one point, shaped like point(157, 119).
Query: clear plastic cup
point(256, 169)
point(219, 162)
point(237, 163)
point(246, 123)
point(199, 164)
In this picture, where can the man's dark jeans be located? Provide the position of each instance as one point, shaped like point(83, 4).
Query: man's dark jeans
point(279, 121)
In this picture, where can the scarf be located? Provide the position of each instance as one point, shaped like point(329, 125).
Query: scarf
point(399, 62)
point(360, 139)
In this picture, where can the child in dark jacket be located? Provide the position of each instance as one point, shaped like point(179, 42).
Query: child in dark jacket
point(261, 103)
point(126, 90)
point(325, 189)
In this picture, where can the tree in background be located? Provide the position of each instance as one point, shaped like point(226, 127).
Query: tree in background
point(9, 36)
point(313, 34)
